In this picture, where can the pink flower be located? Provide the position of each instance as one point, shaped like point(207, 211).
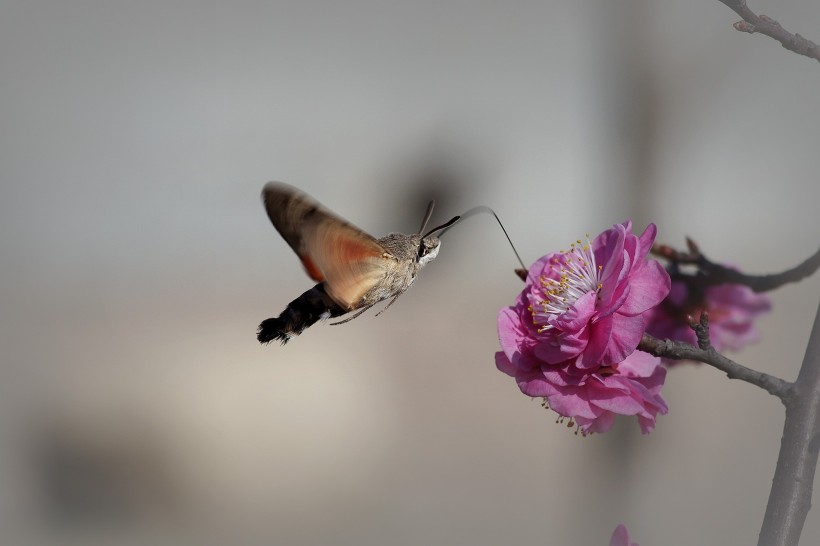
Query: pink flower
point(572, 333)
point(620, 537)
point(732, 308)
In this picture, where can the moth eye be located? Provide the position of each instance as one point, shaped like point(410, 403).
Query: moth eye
point(423, 250)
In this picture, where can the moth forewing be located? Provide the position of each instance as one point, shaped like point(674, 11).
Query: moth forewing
point(325, 243)
point(351, 261)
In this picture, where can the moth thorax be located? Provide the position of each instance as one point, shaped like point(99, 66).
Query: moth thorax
point(428, 250)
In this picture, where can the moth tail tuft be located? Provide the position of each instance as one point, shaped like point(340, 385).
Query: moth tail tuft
point(273, 329)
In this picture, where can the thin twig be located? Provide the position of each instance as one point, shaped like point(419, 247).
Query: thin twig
point(711, 273)
point(679, 350)
point(762, 24)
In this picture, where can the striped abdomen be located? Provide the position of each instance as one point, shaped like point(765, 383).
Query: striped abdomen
point(300, 314)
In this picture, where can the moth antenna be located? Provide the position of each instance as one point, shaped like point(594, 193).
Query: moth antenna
point(476, 210)
point(443, 226)
point(427, 215)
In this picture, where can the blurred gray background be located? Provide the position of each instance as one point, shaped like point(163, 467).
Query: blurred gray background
point(136, 406)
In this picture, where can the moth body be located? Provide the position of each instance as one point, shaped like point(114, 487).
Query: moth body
point(354, 270)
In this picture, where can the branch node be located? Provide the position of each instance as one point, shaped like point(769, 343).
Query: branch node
point(701, 329)
point(769, 21)
point(693, 247)
point(665, 251)
point(743, 26)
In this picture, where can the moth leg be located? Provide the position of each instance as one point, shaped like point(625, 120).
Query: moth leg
point(389, 304)
point(348, 319)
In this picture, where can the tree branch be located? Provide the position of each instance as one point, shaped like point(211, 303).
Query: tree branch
point(712, 273)
point(752, 23)
point(679, 350)
point(790, 497)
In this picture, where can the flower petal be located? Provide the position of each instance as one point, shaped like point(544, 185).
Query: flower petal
point(578, 315)
point(620, 537)
point(626, 334)
point(646, 240)
point(600, 333)
point(557, 348)
point(649, 285)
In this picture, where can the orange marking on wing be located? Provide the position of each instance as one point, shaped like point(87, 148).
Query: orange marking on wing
point(355, 251)
point(313, 272)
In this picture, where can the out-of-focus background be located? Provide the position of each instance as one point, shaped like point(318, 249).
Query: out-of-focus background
point(136, 406)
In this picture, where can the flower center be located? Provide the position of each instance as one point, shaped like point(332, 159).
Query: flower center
point(577, 275)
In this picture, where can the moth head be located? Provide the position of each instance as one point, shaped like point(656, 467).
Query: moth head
point(428, 250)
point(429, 245)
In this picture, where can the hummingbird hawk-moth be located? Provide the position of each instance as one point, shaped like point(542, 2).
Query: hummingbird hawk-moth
point(353, 270)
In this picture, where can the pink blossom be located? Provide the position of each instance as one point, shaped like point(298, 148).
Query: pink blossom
point(620, 537)
point(732, 308)
point(572, 333)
